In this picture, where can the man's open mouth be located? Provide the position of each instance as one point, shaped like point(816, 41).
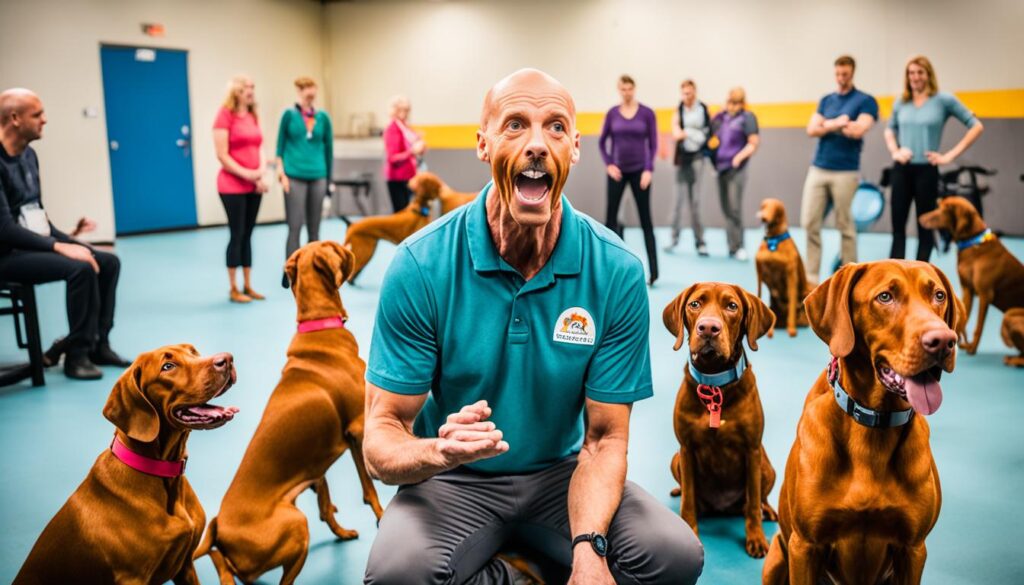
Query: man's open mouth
point(921, 390)
point(207, 416)
point(532, 187)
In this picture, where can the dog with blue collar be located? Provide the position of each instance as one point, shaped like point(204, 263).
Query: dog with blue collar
point(718, 417)
point(861, 489)
point(780, 267)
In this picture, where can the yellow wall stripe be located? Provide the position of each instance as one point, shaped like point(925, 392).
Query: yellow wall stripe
point(999, 103)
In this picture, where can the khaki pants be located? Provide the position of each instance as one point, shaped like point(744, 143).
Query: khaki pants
point(820, 186)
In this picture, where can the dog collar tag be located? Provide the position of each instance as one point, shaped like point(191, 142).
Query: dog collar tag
point(711, 397)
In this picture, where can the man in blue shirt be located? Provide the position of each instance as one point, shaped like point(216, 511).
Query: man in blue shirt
point(499, 326)
point(840, 122)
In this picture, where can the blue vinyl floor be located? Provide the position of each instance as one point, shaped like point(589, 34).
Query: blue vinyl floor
point(173, 289)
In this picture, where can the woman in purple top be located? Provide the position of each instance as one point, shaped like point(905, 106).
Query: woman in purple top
point(737, 134)
point(629, 142)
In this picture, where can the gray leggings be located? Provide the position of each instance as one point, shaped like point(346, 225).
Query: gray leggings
point(688, 177)
point(446, 530)
point(303, 204)
point(730, 194)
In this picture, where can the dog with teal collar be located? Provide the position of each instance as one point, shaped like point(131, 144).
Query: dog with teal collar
point(780, 267)
point(721, 466)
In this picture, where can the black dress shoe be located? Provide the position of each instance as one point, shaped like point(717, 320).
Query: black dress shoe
point(80, 368)
point(52, 356)
point(104, 356)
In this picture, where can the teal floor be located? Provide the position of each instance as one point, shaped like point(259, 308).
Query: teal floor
point(173, 289)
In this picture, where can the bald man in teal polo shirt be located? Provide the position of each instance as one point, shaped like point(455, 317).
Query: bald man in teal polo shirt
point(499, 328)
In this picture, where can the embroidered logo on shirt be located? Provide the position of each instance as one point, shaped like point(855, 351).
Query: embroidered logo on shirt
point(575, 325)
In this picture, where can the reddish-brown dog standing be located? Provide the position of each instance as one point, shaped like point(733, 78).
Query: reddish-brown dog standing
point(135, 518)
point(363, 235)
point(987, 269)
point(780, 267)
point(314, 414)
point(721, 466)
point(429, 185)
point(1013, 336)
point(861, 491)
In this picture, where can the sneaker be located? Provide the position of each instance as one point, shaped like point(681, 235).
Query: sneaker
point(672, 246)
point(740, 255)
point(702, 250)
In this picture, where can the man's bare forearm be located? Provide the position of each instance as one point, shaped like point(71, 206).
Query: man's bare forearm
point(397, 457)
point(596, 486)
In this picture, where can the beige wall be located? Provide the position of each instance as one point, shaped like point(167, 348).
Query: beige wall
point(53, 47)
point(445, 55)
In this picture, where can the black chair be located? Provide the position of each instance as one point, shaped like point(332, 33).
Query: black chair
point(362, 188)
point(23, 307)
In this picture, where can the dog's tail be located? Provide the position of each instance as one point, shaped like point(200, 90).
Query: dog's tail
point(207, 543)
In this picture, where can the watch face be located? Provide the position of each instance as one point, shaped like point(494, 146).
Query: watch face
point(600, 545)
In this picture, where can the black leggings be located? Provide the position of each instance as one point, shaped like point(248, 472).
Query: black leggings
point(643, 203)
point(241, 210)
point(399, 193)
point(917, 184)
point(90, 296)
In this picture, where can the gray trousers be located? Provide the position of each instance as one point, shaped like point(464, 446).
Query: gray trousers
point(821, 186)
point(688, 187)
point(303, 204)
point(730, 193)
point(446, 530)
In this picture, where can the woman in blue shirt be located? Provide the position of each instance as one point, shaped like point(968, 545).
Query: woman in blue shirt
point(913, 138)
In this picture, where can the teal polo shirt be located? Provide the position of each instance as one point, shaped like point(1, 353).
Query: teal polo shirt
point(457, 321)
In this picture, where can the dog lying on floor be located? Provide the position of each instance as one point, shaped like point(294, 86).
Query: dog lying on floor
point(314, 414)
point(861, 490)
point(986, 268)
point(430, 185)
point(721, 466)
point(1013, 336)
point(135, 518)
point(780, 267)
point(363, 235)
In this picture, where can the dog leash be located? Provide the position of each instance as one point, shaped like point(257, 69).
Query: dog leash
point(337, 322)
point(155, 467)
point(709, 388)
point(773, 243)
point(981, 238)
point(875, 419)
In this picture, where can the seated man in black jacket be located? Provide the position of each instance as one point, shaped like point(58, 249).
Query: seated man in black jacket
point(33, 251)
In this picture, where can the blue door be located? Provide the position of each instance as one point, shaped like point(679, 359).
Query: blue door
point(149, 134)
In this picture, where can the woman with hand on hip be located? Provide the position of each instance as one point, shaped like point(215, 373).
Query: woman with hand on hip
point(305, 156)
point(237, 139)
point(403, 147)
point(738, 139)
point(913, 137)
point(629, 143)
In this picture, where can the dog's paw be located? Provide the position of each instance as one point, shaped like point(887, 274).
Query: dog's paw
point(791, 331)
point(675, 492)
point(344, 534)
point(768, 513)
point(757, 545)
point(771, 333)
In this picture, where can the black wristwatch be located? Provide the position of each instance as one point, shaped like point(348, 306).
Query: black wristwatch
point(597, 541)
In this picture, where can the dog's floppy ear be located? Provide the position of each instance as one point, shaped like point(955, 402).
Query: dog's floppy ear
point(674, 317)
point(346, 263)
point(428, 187)
point(828, 309)
point(956, 315)
point(291, 266)
point(130, 410)
point(758, 317)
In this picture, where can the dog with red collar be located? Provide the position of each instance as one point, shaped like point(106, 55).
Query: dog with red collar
point(135, 518)
point(313, 416)
point(721, 466)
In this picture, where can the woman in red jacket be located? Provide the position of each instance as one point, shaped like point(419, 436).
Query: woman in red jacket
point(403, 147)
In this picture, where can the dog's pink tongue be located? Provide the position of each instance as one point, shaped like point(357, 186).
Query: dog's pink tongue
point(924, 393)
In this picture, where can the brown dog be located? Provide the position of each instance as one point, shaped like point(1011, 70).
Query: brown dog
point(1013, 336)
point(986, 268)
point(430, 185)
point(780, 267)
point(363, 235)
point(721, 466)
point(314, 414)
point(135, 518)
point(861, 491)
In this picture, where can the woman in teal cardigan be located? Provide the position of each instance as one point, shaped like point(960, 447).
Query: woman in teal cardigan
point(305, 155)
